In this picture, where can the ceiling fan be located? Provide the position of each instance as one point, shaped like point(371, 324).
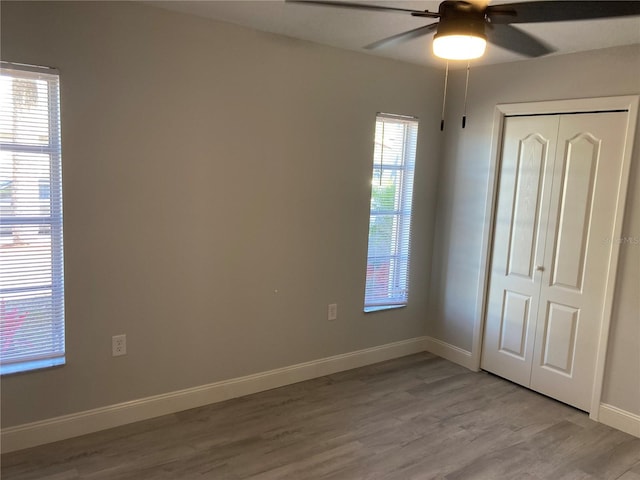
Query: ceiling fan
point(463, 27)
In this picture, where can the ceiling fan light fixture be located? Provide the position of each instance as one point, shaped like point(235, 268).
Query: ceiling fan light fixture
point(459, 46)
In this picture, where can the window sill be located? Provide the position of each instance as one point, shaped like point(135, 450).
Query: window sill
point(29, 366)
point(379, 308)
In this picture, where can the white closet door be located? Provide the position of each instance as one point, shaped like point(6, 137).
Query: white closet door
point(586, 180)
point(526, 177)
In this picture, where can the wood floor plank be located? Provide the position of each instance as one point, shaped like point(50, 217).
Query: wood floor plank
point(414, 418)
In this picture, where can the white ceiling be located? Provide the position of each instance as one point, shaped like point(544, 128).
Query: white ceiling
point(352, 29)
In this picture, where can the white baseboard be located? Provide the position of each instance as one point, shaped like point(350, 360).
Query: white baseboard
point(621, 419)
point(450, 352)
point(75, 424)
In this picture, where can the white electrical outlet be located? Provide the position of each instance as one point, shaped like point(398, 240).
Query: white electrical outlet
point(332, 313)
point(118, 345)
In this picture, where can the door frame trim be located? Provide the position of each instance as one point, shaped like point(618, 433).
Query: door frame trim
point(629, 103)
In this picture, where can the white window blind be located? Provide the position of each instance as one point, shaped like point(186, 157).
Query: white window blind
point(387, 282)
point(31, 262)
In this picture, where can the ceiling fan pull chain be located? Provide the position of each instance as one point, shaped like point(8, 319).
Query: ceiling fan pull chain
point(444, 96)
point(466, 89)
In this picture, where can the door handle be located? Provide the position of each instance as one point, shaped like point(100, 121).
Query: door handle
point(540, 268)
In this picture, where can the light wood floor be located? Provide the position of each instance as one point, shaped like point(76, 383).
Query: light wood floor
point(418, 417)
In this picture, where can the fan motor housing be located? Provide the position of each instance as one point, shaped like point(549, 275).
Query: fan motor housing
point(460, 18)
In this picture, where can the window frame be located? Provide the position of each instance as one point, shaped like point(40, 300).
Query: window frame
point(397, 291)
point(53, 222)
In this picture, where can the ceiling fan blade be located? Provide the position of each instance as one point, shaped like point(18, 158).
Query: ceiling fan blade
point(516, 40)
point(560, 11)
point(359, 6)
point(403, 37)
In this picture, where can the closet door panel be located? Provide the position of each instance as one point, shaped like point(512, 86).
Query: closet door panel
point(526, 172)
point(576, 201)
point(586, 179)
point(514, 323)
point(559, 339)
point(521, 251)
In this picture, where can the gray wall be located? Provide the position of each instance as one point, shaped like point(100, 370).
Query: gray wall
point(463, 189)
point(206, 166)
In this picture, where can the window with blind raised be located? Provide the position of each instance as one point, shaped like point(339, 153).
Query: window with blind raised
point(31, 262)
point(387, 282)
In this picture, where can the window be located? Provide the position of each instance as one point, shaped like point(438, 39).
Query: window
point(31, 262)
point(394, 155)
